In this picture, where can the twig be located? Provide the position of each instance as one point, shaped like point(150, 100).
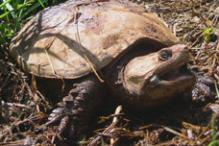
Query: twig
point(15, 105)
point(175, 132)
point(109, 129)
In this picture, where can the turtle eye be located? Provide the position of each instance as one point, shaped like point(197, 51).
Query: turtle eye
point(165, 55)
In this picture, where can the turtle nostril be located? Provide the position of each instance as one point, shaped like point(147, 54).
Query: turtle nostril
point(165, 55)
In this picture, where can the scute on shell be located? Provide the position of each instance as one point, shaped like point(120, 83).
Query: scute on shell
point(64, 40)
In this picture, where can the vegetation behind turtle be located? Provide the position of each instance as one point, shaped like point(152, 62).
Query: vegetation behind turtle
point(26, 87)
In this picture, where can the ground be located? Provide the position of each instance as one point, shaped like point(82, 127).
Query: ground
point(196, 22)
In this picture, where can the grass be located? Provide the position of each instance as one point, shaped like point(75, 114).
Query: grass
point(214, 131)
point(13, 13)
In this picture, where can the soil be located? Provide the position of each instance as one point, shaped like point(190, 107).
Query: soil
point(187, 122)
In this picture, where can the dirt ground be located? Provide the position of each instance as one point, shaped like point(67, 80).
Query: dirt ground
point(188, 123)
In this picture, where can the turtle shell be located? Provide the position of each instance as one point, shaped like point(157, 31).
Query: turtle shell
point(71, 39)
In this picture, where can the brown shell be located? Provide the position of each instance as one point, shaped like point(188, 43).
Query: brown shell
point(67, 40)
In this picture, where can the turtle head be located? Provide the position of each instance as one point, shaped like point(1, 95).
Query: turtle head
point(159, 75)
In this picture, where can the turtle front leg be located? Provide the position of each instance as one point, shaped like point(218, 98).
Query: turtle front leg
point(77, 110)
point(203, 90)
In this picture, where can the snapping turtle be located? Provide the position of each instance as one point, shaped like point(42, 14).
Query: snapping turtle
point(101, 49)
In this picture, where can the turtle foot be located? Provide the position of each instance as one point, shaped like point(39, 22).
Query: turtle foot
point(203, 89)
point(78, 109)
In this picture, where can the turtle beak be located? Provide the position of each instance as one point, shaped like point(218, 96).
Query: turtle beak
point(154, 80)
point(172, 68)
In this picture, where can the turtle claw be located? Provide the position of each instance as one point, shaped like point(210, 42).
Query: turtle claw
point(203, 89)
point(59, 113)
point(55, 116)
point(63, 115)
point(63, 125)
point(77, 109)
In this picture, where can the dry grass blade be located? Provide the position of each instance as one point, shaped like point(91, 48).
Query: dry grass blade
point(188, 19)
point(109, 129)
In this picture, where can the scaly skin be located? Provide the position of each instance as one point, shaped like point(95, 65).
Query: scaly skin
point(87, 95)
point(78, 108)
point(149, 80)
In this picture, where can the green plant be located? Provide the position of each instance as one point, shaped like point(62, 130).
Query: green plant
point(214, 131)
point(209, 34)
point(13, 14)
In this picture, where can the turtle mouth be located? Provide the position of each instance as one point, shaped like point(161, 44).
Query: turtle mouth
point(174, 77)
point(177, 74)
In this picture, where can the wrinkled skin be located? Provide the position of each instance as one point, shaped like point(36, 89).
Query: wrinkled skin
point(138, 81)
point(66, 43)
point(203, 90)
point(153, 79)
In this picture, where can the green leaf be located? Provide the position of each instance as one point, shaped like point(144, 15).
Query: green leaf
point(10, 9)
point(207, 33)
point(41, 3)
point(31, 9)
point(4, 15)
point(4, 3)
point(214, 143)
point(214, 127)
